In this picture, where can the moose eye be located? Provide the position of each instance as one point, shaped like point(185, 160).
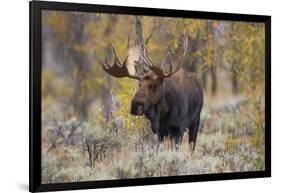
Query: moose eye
point(152, 87)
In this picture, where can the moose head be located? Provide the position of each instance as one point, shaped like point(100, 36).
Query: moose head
point(150, 84)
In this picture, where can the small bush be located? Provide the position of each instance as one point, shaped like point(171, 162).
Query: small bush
point(100, 141)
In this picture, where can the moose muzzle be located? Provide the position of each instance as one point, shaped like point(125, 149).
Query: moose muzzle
point(137, 108)
point(138, 104)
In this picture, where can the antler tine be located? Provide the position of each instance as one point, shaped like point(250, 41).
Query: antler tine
point(164, 61)
point(146, 62)
point(100, 61)
point(115, 55)
point(168, 57)
point(107, 60)
point(104, 65)
point(170, 64)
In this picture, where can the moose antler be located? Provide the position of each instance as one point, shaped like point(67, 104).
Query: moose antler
point(159, 71)
point(118, 69)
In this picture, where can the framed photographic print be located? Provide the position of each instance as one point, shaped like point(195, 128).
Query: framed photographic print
point(126, 96)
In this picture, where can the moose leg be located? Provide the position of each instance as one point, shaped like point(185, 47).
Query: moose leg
point(172, 143)
point(193, 132)
point(176, 134)
point(178, 138)
point(159, 142)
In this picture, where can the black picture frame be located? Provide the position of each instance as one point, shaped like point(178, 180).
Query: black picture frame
point(35, 8)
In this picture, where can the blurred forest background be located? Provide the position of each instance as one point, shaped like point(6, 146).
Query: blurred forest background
point(87, 130)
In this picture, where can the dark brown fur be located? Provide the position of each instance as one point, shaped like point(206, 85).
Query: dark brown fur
point(172, 105)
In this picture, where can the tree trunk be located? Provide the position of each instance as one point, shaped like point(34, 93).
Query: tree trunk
point(234, 79)
point(139, 34)
point(80, 65)
point(109, 104)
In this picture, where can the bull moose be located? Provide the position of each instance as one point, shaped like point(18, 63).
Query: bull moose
point(172, 101)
